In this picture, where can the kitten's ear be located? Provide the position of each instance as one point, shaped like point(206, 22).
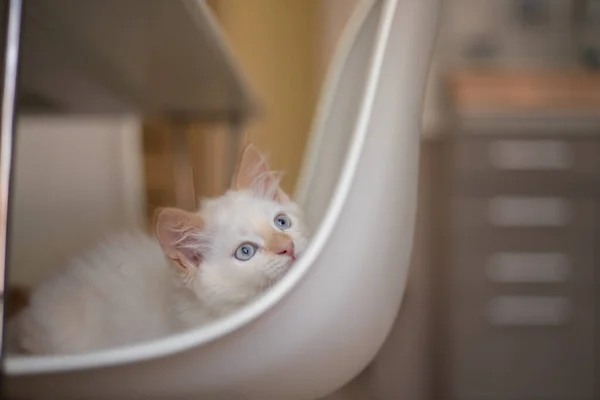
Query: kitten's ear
point(253, 173)
point(179, 234)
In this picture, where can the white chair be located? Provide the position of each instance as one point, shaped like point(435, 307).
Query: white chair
point(326, 320)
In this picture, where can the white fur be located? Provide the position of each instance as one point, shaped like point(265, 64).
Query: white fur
point(125, 290)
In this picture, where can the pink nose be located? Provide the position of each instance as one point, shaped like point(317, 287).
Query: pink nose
point(288, 250)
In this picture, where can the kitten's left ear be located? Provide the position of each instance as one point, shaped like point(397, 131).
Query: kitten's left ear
point(179, 234)
point(253, 173)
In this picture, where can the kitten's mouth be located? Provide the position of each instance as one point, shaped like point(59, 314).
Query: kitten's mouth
point(292, 260)
point(296, 256)
point(275, 275)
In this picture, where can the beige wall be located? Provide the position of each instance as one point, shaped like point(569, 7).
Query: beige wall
point(275, 42)
point(332, 16)
point(76, 180)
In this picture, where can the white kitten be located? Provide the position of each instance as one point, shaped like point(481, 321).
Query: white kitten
point(127, 291)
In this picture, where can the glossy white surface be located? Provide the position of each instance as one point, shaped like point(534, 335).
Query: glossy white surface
point(7, 120)
point(135, 56)
point(328, 317)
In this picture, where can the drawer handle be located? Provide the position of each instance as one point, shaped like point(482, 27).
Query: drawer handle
point(528, 311)
point(530, 155)
point(506, 267)
point(512, 211)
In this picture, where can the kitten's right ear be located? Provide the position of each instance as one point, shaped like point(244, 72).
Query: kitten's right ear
point(179, 233)
point(254, 173)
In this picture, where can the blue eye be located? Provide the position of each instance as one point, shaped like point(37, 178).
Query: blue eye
point(283, 222)
point(245, 251)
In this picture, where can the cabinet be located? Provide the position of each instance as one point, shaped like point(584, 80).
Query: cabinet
point(523, 265)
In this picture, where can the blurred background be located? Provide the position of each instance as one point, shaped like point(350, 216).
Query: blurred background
point(502, 301)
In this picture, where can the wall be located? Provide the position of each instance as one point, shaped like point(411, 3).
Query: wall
point(274, 42)
point(75, 180)
point(554, 43)
point(332, 16)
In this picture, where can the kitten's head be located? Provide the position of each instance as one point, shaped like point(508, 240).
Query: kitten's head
point(238, 244)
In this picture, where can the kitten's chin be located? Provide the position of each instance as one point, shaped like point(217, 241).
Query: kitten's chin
point(275, 276)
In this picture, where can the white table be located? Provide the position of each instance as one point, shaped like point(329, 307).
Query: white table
point(158, 58)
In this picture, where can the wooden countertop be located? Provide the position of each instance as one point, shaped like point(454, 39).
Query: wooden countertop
point(489, 91)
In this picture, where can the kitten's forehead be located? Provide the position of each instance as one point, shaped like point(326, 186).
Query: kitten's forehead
point(241, 210)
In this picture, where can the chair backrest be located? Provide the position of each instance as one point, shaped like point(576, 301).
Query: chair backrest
point(337, 113)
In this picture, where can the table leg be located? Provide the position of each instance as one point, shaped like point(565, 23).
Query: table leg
point(11, 61)
point(233, 141)
point(185, 194)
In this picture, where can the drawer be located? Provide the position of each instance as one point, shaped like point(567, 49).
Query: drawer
point(477, 273)
point(513, 356)
point(492, 246)
point(526, 164)
point(510, 212)
point(522, 297)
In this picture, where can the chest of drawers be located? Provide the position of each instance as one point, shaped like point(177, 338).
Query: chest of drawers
point(522, 282)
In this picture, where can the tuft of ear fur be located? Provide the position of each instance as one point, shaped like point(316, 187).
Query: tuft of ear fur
point(253, 173)
point(182, 237)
